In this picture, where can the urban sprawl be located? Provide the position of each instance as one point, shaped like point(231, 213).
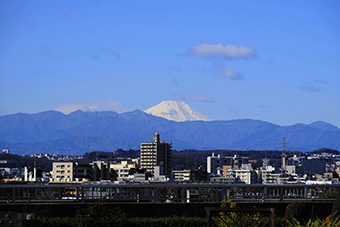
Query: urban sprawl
point(153, 166)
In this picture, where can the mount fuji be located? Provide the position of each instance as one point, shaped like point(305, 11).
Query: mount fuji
point(176, 111)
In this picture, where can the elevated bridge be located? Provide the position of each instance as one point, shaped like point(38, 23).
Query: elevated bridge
point(167, 193)
point(162, 199)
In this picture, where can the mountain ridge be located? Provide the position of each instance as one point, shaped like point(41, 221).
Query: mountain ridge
point(79, 132)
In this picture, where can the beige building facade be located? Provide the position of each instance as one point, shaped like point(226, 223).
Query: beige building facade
point(62, 171)
point(154, 154)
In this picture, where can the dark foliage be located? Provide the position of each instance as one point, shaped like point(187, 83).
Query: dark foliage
point(336, 209)
point(299, 211)
point(98, 215)
point(18, 161)
point(324, 150)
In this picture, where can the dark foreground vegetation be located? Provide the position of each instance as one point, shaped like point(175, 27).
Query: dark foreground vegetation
point(297, 215)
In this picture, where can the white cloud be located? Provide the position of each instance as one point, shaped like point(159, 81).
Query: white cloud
point(99, 105)
point(226, 71)
point(196, 97)
point(228, 52)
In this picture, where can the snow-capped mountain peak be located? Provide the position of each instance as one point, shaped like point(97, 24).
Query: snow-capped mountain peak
point(176, 111)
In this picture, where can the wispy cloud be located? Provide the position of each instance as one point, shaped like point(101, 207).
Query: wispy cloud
point(99, 105)
point(264, 106)
point(95, 57)
point(228, 52)
point(29, 21)
point(176, 68)
point(310, 88)
point(226, 71)
point(320, 81)
point(232, 110)
point(175, 82)
point(67, 12)
point(104, 52)
point(196, 97)
point(46, 51)
point(110, 52)
point(314, 85)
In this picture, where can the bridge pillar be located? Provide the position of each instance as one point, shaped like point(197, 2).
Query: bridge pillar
point(13, 193)
point(35, 193)
point(82, 195)
point(216, 195)
point(224, 193)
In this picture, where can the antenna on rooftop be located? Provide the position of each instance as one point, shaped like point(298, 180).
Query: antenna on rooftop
point(265, 161)
point(284, 152)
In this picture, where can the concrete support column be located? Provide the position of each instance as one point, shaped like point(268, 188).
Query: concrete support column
point(13, 195)
point(36, 193)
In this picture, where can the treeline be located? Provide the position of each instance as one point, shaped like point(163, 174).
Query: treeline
point(18, 161)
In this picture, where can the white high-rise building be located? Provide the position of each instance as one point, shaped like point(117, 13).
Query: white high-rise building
point(154, 154)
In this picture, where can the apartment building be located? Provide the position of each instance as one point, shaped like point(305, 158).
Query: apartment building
point(72, 171)
point(218, 165)
point(63, 171)
point(182, 175)
point(122, 169)
point(154, 154)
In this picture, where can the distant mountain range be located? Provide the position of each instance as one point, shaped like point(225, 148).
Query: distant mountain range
point(79, 132)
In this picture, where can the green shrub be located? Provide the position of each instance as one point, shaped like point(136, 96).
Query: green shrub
point(336, 209)
point(301, 212)
point(56, 222)
point(166, 222)
point(328, 222)
point(98, 215)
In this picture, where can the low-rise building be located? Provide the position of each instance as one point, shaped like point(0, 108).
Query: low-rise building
point(182, 175)
point(63, 171)
point(74, 171)
point(122, 169)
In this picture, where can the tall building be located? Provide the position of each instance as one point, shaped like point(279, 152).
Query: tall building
point(154, 154)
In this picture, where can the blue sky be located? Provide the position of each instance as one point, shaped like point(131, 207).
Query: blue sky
point(277, 61)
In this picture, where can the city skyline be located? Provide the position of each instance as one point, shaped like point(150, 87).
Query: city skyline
point(272, 61)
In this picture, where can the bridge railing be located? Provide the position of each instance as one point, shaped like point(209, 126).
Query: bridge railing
point(165, 192)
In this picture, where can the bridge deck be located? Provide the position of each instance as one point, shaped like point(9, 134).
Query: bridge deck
point(168, 193)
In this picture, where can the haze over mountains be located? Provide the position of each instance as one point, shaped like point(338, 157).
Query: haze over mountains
point(79, 132)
